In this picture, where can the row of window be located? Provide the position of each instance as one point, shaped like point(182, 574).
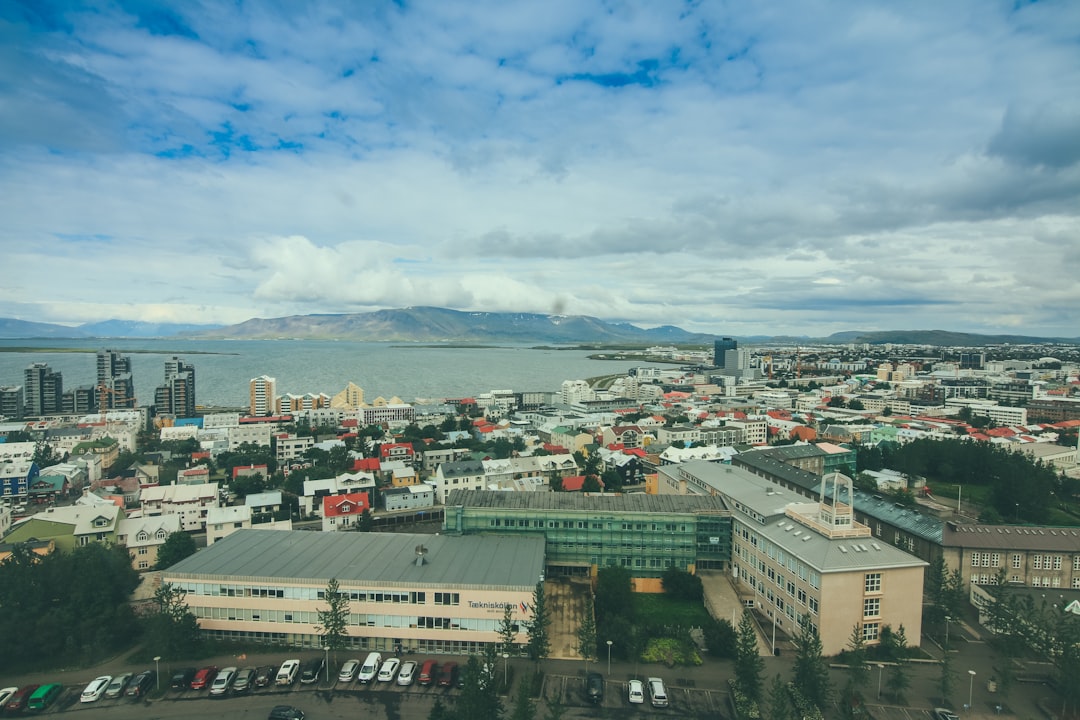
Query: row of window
point(309, 593)
point(1038, 561)
point(305, 617)
point(586, 525)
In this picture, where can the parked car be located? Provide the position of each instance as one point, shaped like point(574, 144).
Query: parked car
point(286, 712)
point(286, 675)
point(5, 695)
point(181, 679)
point(635, 691)
point(448, 675)
point(348, 670)
point(222, 682)
point(428, 672)
point(594, 687)
point(264, 675)
point(44, 696)
point(118, 684)
point(17, 702)
point(657, 693)
point(311, 670)
point(141, 684)
point(95, 689)
point(389, 669)
point(203, 677)
point(407, 673)
point(945, 714)
point(370, 668)
point(245, 679)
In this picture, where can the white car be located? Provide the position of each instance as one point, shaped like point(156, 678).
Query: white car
point(389, 669)
point(222, 681)
point(635, 691)
point(6, 694)
point(348, 670)
point(287, 674)
point(407, 673)
point(95, 689)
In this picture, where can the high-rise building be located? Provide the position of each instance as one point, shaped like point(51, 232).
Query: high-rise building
point(80, 400)
point(11, 402)
point(720, 347)
point(44, 389)
point(115, 387)
point(263, 392)
point(177, 395)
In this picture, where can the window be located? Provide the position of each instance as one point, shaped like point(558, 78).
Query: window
point(871, 607)
point(872, 582)
point(813, 604)
point(995, 559)
point(142, 551)
point(975, 559)
point(1057, 562)
point(1076, 562)
point(1017, 559)
point(870, 632)
point(1036, 562)
point(143, 564)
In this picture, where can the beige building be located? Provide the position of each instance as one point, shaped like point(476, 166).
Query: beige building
point(792, 559)
point(1032, 556)
point(143, 536)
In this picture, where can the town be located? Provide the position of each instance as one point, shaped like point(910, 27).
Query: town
point(852, 503)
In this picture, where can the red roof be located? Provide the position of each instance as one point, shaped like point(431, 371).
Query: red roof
point(248, 469)
point(639, 452)
point(1001, 432)
point(347, 504)
point(199, 455)
point(556, 449)
point(368, 464)
point(350, 422)
point(574, 483)
point(384, 450)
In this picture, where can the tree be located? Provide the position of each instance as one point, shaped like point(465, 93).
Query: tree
point(613, 481)
point(811, 672)
point(176, 547)
point(555, 481)
point(334, 620)
point(172, 630)
point(856, 404)
point(524, 707)
point(439, 711)
point(591, 484)
point(680, 584)
point(779, 707)
point(946, 679)
point(748, 662)
point(586, 636)
point(899, 679)
point(508, 631)
point(858, 669)
point(539, 642)
point(479, 696)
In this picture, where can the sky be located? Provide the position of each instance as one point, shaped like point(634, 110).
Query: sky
point(799, 167)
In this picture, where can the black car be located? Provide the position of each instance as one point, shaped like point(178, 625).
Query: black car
point(309, 673)
point(182, 678)
point(594, 687)
point(141, 684)
point(264, 675)
point(286, 712)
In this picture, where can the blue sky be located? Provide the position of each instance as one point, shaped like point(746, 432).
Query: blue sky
point(743, 168)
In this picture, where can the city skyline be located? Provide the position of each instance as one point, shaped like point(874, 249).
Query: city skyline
point(730, 170)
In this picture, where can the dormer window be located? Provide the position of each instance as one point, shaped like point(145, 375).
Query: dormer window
point(161, 534)
point(143, 536)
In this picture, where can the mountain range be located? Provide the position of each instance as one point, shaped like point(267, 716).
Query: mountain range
point(442, 325)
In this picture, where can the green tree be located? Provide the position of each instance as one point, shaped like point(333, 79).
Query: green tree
point(171, 630)
point(479, 696)
point(524, 707)
point(591, 484)
point(856, 404)
point(946, 679)
point(586, 636)
point(555, 481)
point(538, 626)
point(508, 631)
point(899, 674)
point(858, 670)
point(811, 672)
point(680, 584)
point(176, 547)
point(439, 711)
point(748, 663)
point(334, 620)
point(779, 707)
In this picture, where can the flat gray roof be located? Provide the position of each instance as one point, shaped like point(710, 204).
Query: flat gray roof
point(515, 561)
point(585, 502)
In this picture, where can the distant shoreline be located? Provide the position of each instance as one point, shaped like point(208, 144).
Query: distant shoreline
point(30, 349)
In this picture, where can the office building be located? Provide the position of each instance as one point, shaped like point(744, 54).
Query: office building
point(263, 396)
point(11, 402)
point(417, 593)
point(720, 347)
point(115, 387)
point(177, 395)
point(44, 390)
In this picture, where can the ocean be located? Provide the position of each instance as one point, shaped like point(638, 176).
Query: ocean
point(410, 372)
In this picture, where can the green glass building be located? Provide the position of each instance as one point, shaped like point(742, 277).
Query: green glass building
point(584, 532)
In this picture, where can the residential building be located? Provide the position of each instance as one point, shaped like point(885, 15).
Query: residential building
point(115, 386)
point(351, 398)
point(44, 390)
point(343, 512)
point(291, 447)
point(426, 594)
point(16, 475)
point(263, 396)
point(1040, 557)
point(265, 506)
point(250, 434)
point(80, 400)
point(645, 534)
point(190, 502)
point(392, 413)
point(177, 395)
point(223, 521)
point(11, 402)
point(316, 490)
point(144, 536)
point(413, 497)
point(69, 527)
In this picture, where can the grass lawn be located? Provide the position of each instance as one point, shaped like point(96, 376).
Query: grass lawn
point(659, 609)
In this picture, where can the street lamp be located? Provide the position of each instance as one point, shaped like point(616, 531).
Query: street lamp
point(326, 662)
point(157, 671)
point(971, 686)
point(880, 669)
point(506, 672)
point(609, 657)
point(947, 620)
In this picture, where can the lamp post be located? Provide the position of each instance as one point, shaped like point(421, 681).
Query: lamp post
point(880, 670)
point(947, 620)
point(971, 686)
point(157, 671)
point(326, 662)
point(506, 672)
point(609, 657)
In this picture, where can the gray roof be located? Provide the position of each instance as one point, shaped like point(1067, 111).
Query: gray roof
point(830, 555)
point(767, 463)
point(1012, 537)
point(908, 519)
point(389, 559)
point(586, 502)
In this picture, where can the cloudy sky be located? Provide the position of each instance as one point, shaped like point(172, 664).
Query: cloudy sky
point(731, 167)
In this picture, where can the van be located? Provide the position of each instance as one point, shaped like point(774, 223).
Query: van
point(287, 674)
point(44, 696)
point(657, 694)
point(428, 671)
point(370, 668)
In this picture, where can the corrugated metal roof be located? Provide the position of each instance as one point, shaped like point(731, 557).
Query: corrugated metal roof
point(585, 502)
point(388, 558)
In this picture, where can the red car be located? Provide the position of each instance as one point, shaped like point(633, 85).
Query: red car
point(204, 677)
point(17, 702)
point(427, 672)
point(448, 674)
